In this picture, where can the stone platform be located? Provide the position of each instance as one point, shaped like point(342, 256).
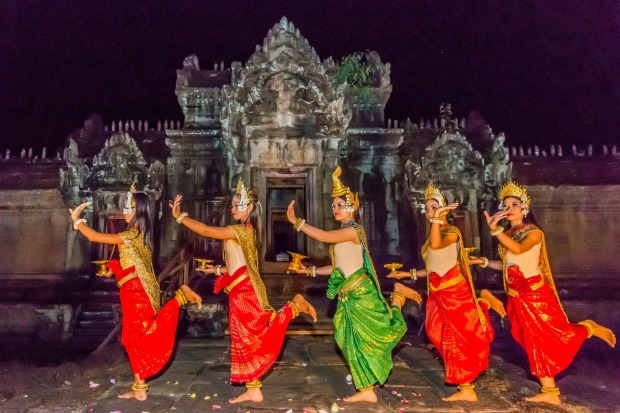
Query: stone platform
point(311, 376)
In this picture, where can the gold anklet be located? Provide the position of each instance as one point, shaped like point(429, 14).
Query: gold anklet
point(294, 309)
point(482, 300)
point(181, 298)
point(367, 388)
point(550, 390)
point(399, 296)
point(469, 386)
point(588, 326)
point(254, 384)
point(140, 387)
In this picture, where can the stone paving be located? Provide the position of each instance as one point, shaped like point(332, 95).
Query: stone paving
point(311, 377)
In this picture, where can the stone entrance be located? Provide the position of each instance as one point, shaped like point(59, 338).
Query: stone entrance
point(277, 188)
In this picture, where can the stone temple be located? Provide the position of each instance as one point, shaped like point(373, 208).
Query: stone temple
point(282, 121)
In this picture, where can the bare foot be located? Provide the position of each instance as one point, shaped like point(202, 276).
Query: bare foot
point(545, 398)
point(304, 306)
point(191, 295)
point(603, 333)
point(408, 292)
point(468, 395)
point(134, 394)
point(362, 396)
point(250, 395)
point(495, 304)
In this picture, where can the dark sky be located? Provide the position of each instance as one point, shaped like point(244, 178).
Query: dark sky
point(542, 72)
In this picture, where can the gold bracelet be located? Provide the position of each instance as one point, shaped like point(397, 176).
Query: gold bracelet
point(436, 221)
point(485, 262)
point(413, 273)
point(180, 217)
point(299, 223)
point(77, 222)
point(495, 232)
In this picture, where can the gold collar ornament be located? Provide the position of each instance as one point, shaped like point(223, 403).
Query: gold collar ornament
point(515, 190)
point(432, 192)
point(342, 191)
point(243, 196)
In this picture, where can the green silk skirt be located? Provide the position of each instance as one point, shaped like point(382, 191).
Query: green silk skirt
point(365, 330)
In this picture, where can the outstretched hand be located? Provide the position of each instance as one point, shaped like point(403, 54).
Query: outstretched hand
point(399, 275)
point(75, 213)
point(211, 270)
point(290, 213)
point(176, 206)
point(474, 260)
point(494, 219)
point(302, 269)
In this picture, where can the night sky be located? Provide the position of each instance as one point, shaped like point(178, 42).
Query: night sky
point(542, 72)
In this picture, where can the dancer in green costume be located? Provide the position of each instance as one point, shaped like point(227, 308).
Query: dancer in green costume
point(366, 327)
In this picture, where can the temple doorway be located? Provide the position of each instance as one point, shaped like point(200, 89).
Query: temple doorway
point(281, 237)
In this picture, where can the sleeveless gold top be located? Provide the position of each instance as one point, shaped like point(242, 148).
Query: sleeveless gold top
point(135, 252)
point(245, 236)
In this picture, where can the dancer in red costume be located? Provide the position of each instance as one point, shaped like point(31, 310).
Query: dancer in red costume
point(256, 329)
point(456, 322)
point(148, 330)
point(537, 318)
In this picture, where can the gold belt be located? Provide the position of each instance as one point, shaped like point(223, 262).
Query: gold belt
point(448, 284)
point(533, 287)
point(233, 284)
point(344, 290)
point(126, 278)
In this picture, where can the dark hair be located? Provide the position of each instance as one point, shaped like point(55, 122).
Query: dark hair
point(142, 218)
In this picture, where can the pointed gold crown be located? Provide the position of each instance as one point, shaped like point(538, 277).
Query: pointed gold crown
point(432, 192)
point(514, 189)
point(342, 191)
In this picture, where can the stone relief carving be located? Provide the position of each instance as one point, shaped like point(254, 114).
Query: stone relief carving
point(284, 92)
point(73, 176)
point(452, 164)
point(119, 161)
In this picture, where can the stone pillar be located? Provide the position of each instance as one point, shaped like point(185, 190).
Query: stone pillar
point(374, 152)
point(197, 169)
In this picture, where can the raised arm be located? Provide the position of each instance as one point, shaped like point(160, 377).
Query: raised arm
point(92, 235)
point(436, 240)
point(533, 238)
point(197, 226)
point(331, 237)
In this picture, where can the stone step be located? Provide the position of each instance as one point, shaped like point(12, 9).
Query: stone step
point(95, 324)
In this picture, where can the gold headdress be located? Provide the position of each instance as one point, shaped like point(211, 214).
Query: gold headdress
point(130, 204)
point(432, 192)
point(342, 191)
point(243, 195)
point(515, 190)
